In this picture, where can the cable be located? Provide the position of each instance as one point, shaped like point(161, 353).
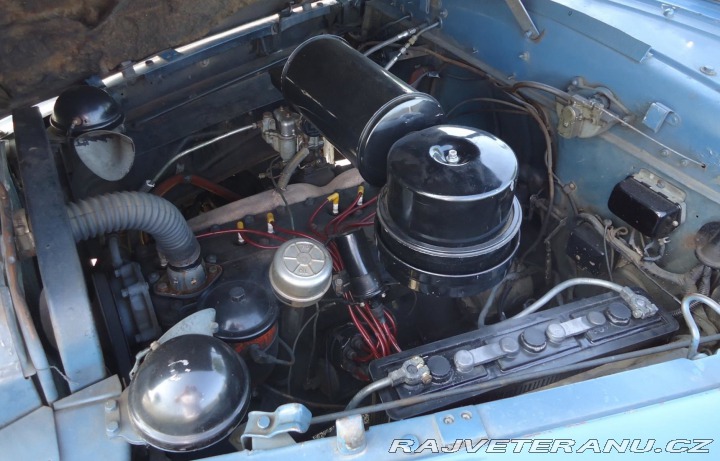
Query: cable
point(314, 339)
point(390, 24)
point(565, 285)
point(295, 343)
point(282, 195)
point(472, 389)
point(307, 403)
point(282, 230)
point(391, 40)
point(368, 390)
point(542, 87)
point(197, 181)
point(410, 43)
point(248, 232)
point(290, 352)
point(151, 183)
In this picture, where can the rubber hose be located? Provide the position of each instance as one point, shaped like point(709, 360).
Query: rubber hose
point(290, 168)
point(137, 211)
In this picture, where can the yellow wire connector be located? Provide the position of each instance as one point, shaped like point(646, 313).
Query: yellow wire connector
point(270, 221)
point(361, 193)
point(334, 198)
point(240, 226)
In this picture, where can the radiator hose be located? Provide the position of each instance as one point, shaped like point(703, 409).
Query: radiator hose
point(137, 211)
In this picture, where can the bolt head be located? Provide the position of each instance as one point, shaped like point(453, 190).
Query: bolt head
point(110, 405)
point(263, 422)
point(112, 427)
point(708, 70)
point(466, 415)
point(449, 419)
point(237, 294)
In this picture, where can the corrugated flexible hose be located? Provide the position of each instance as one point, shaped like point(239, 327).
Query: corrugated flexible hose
point(137, 211)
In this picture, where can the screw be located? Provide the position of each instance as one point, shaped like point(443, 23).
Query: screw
point(153, 277)
point(110, 405)
point(683, 162)
point(668, 11)
point(212, 269)
point(664, 153)
point(448, 419)
point(661, 183)
point(211, 259)
point(708, 70)
point(525, 56)
point(452, 156)
point(465, 415)
point(263, 422)
point(675, 223)
point(162, 287)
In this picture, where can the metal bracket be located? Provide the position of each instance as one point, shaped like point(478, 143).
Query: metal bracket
point(657, 114)
point(270, 430)
point(465, 360)
point(350, 434)
point(558, 332)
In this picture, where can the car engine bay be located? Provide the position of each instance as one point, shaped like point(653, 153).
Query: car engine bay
point(345, 209)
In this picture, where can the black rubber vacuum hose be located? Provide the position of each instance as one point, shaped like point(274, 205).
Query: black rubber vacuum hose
point(137, 211)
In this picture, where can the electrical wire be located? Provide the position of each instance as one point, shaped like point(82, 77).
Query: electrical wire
point(295, 343)
point(410, 43)
point(279, 190)
point(151, 183)
point(565, 285)
point(391, 40)
point(307, 403)
point(245, 232)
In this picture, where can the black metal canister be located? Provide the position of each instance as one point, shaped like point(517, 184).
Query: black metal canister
point(359, 106)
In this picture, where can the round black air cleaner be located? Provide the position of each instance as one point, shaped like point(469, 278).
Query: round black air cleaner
point(448, 220)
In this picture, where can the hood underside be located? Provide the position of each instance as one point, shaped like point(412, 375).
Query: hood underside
point(50, 44)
